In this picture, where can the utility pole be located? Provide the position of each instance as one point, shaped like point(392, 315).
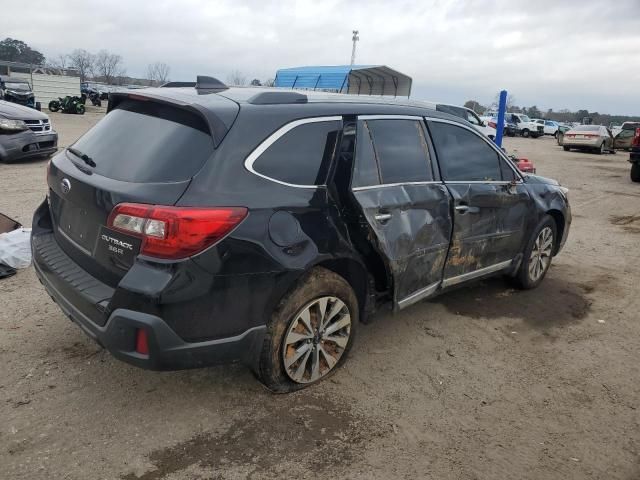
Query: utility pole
point(355, 38)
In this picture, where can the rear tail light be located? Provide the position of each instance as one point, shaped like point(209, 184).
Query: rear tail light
point(175, 232)
point(569, 135)
point(492, 124)
point(591, 135)
point(636, 138)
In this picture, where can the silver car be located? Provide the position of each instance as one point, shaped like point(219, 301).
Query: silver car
point(588, 137)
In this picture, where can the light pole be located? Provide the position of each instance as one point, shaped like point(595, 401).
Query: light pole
point(355, 38)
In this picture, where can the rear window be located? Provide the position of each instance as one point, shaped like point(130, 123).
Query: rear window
point(146, 142)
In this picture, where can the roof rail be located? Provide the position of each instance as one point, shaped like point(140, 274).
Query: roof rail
point(277, 98)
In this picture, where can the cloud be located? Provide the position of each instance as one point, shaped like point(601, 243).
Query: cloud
point(548, 53)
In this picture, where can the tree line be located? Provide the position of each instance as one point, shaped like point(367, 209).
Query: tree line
point(102, 66)
point(564, 115)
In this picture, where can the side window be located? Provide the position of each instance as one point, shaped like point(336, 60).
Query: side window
point(507, 172)
point(301, 156)
point(463, 155)
point(401, 149)
point(365, 168)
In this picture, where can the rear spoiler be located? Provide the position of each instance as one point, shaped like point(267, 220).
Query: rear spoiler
point(218, 119)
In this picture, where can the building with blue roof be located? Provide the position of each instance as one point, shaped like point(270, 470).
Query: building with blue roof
point(352, 79)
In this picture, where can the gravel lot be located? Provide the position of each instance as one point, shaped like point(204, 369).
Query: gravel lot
point(482, 383)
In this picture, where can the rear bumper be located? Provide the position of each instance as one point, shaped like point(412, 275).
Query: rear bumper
point(575, 143)
point(167, 351)
point(89, 303)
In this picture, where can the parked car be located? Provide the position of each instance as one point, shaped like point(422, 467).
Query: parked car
point(634, 157)
point(624, 138)
point(525, 126)
point(194, 226)
point(25, 133)
point(549, 126)
point(17, 91)
point(596, 138)
point(470, 116)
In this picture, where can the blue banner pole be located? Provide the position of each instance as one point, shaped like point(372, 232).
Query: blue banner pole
point(502, 108)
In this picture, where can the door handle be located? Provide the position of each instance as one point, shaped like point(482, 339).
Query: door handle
point(382, 217)
point(462, 209)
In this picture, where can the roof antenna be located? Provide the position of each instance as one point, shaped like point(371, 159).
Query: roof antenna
point(209, 84)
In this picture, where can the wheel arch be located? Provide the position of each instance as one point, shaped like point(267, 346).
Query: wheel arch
point(559, 219)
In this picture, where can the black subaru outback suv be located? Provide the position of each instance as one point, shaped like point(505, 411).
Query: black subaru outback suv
point(203, 224)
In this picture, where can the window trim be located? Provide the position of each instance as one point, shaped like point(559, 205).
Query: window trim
point(274, 137)
point(501, 154)
point(430, 151)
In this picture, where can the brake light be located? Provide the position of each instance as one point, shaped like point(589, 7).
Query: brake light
point(492, 124)
point(636, 138)
point(591, 135)
point(142, 342)
point(175, 232)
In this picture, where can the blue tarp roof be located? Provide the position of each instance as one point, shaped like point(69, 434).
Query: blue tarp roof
point(356, 79)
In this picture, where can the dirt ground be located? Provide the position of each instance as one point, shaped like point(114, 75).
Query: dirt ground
point(483, 383)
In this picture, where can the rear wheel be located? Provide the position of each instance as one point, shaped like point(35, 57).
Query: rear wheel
point(80, 109)
point(537, 256)
point(635, 172)
point(310, 333)
point(566, 149)
point(525, 132)
point(54, 106)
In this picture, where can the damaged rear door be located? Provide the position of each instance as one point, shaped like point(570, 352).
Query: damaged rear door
point(490, 203)
point(406, 206)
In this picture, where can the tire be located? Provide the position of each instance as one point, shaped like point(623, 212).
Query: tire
point(525, 133)
point(287, 322)
point(555, 135)
point(80, 109)
point(528, 275)
point(601, 150)
point(54, 106)
point(566, 149)
point(635, 172)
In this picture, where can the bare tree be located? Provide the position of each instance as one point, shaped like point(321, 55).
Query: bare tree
point(158, 73)
point(108, 66)
point(60, 62)
point(269, 82)
point(237, 78)
point(82, 61)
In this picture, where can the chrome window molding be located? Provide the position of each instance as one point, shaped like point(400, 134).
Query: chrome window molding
point(274, 137)
point(391, 117)
point(401, 184)
point(500, 153)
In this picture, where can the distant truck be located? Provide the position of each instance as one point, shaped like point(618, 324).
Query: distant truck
point(524, 125)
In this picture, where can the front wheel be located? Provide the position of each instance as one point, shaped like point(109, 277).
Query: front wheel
point(80, 109)
point(537, 256)
point(310, 333)
point(635, 172)
point(525, 133)
point(54, 106)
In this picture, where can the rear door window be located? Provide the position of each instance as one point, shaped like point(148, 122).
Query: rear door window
point(302, 156)
point(145, 142)
point(463, 155)
point(401, 150)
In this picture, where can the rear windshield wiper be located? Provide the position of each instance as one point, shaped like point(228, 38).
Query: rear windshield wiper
point(85, 158)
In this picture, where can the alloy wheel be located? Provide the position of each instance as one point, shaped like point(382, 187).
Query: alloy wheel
point(540, 257)
point(316, 339)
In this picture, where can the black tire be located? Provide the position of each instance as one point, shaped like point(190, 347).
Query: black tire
point(54, 106)
point(566, 149)
point(80, 109)
point(601, 150)
point(317, 283)
point(523, 279)
point(555, 135)
point(525, 133)
point(635, 172)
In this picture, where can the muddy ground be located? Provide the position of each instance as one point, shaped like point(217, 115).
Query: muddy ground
point(483, 383)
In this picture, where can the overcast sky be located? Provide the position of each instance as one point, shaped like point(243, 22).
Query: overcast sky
point(554, 54)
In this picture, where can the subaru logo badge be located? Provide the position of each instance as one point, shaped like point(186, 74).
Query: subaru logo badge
point(65, 184)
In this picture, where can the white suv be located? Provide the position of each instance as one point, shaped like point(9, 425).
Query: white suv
point(550, 127)
point(466, 113)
